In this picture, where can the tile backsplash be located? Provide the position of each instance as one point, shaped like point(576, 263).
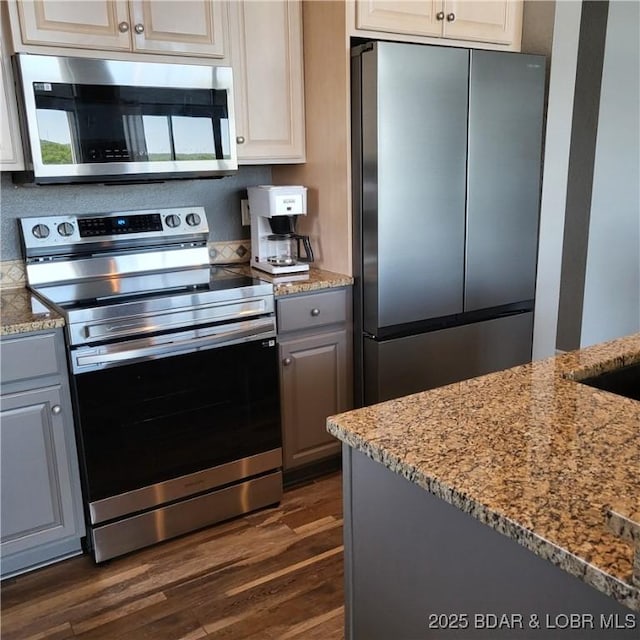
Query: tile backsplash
point(12, 274)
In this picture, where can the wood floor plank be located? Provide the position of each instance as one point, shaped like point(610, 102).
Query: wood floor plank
point(273, 574)
point(318, 584)
point(101, 619)
point(302, 630)
point(256, 563)
point(273, 623)
point(290, 569)
point(60, 632)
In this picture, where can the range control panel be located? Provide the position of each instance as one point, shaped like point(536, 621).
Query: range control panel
point(113, 225)
point(54, 232)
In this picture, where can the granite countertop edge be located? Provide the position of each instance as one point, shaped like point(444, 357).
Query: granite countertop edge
point(623, 593)
point(564, 369)
point(19, 315)
point(315, 280)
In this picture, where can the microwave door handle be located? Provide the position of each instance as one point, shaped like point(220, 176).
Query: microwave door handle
point(178, 346)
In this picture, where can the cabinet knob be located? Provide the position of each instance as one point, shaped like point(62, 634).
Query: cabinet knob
point(287, 361)
point(240, 139)
point(56, 409)
point(123, 27)
point(440, 15)
point(315, 312)
point(451, 17)
point(139, 28)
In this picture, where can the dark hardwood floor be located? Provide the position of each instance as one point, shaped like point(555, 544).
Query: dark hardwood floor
point(272, 575)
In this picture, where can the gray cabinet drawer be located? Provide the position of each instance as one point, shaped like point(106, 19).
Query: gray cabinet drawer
point(312, 310)
point(28, 357)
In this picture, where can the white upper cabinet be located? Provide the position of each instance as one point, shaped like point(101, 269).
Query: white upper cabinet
point(178, 27)
point(400, 16)
point(189, 27)
point(492, 21)
point(11, 158)
point(98, 24)
point(266, 55)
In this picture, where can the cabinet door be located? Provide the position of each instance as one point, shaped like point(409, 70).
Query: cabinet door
point(37, 499)
point(99, 24)
point(498, 21)
point(189, 27)
point(399, 16)
point(11, 157)
point(266, 53)
point(314, 385)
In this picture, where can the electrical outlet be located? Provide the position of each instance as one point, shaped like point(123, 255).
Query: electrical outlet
point(244, 209)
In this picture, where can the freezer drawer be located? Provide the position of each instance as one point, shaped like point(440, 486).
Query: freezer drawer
point(398, 367)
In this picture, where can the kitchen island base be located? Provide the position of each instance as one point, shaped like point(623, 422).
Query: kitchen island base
point(417, 567)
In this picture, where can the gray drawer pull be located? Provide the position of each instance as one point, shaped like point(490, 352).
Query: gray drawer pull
point(56, 409)
point(315, 312)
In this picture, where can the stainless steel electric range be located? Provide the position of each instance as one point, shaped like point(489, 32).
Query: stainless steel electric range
point(174, 372)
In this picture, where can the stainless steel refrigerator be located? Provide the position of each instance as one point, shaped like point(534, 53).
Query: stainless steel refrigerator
point(446, 192)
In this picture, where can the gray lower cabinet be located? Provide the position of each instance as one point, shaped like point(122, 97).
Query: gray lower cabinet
point(315, 337)
point(41, 506)
point(418, 567)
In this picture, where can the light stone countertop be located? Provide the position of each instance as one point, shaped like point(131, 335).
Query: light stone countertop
point(22, 312)
point(533, 454)
point(284, 285)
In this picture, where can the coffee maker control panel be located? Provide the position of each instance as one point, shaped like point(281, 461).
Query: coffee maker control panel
point(272, 200)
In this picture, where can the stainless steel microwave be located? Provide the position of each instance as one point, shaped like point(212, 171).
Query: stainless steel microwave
point(93, 120)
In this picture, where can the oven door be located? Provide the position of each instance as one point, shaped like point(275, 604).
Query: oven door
point(175, 421)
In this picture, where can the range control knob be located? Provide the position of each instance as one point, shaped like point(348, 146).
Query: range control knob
point(40, 231)
point(193, 219)
point(65, 229)
point(172, 221)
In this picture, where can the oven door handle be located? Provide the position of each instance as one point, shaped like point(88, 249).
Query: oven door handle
point(178, 346)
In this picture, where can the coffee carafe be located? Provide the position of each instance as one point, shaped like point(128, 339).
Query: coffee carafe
point(286, 247)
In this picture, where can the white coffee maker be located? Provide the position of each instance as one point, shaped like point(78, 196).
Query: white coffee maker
point(275, 246)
